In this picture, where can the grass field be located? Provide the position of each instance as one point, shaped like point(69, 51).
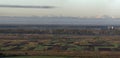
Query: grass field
point(64, 43)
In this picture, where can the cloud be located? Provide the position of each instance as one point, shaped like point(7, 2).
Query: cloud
point(23, 6)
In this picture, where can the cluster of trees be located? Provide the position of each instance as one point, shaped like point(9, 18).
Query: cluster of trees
point(62, 31)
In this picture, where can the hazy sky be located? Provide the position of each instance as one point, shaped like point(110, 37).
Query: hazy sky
point(89, 8)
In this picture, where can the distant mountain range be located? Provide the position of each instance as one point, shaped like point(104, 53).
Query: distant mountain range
point(59, 20)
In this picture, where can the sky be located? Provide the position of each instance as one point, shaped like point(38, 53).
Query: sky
point(75, 8)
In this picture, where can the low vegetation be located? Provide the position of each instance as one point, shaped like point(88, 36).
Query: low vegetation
point(68, 43)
